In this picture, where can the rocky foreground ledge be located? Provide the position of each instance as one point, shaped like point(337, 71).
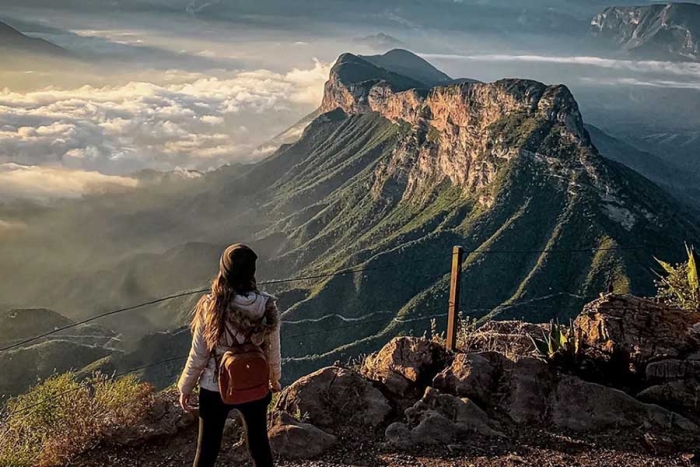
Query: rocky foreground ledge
point(633, 398)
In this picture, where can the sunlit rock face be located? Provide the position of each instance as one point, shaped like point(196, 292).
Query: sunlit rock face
point(458, 131)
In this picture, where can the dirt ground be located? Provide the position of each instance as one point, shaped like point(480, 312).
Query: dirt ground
point(524, 448)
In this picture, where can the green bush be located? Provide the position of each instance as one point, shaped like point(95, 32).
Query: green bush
point(62, 417)
point(679, 285)
point(561, 344)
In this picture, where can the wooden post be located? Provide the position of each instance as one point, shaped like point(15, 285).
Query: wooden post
point(453, 312)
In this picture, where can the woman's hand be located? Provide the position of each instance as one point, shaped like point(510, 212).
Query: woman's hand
point(185, 402)
point(276, 386)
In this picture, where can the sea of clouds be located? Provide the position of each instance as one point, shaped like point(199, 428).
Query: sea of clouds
point(68, 139)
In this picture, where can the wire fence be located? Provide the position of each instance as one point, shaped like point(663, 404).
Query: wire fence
point(428, 313)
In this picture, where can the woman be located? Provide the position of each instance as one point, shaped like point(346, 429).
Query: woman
point(235, 309)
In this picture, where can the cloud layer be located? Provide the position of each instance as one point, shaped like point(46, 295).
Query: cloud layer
point(640, 66)
point(45, 183)
point(198, 124)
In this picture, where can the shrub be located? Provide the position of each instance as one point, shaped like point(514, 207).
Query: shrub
point(465, 330)
point(62, 417)
point(680, 285)
point(560, 345)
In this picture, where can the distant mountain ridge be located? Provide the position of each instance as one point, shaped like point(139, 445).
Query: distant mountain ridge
point(378, 41)
point(68, 350)
point(683, 183)
point(405, 63)
point(658, 31)
point(11, 40)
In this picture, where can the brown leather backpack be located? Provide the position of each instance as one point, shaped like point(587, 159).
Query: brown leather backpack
point(243, 373)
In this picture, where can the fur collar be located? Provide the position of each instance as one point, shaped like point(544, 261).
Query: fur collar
point(240, 320)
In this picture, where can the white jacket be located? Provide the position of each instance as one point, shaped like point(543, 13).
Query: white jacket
point(254, 314)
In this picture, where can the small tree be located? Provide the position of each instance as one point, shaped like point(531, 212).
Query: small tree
point(680, 284)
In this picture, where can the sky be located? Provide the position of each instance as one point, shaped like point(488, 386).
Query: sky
point(198, 84)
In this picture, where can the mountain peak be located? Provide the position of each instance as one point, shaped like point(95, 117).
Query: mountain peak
point(14, 41)
point(407, 63)
point(463, 132)
point(356, 85)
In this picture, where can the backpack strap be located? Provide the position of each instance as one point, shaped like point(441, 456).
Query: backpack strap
point(217, 358)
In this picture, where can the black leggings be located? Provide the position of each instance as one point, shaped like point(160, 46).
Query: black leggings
point(212, 419)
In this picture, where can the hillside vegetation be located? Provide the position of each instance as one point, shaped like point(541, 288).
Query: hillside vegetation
point(63, 417)
point(388, 177)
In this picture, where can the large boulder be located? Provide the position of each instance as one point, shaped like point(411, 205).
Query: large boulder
point(527, 387)
point(405, 364)
point(441, 419)
point(674, 384)
point(291, 439)
point(164, 417)
point(335, 397)
point(637, 329)
point(531, 392)
point(683, 396)
point(584, 406)
point(474, 375)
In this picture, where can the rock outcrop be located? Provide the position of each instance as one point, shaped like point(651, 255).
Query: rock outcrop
point(164, 418)
point(482, 396)
point(292, 439)
point(334, 397)
point(405, 364)
point(637, 329)
point(457, 130)
point(584, 406)
point(474, 375)
point(440, 419)
point(528, 388)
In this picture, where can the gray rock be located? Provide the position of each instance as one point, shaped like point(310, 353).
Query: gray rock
point(673, 369)
point(333, 397)
point(440, 419)
point(291, 439)
point(164, 418)
point(583, 406)
point(684, 395)
point(528, 385)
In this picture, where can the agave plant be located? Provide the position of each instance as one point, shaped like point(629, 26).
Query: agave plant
point(559, 341)
point(680, 285)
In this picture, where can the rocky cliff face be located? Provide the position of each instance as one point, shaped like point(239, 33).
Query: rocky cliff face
point(670, 31)
point(461, 132)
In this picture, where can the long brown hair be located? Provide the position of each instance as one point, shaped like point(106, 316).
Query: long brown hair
point(236, 276)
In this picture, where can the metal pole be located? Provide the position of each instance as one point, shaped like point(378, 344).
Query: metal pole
point(453, 312)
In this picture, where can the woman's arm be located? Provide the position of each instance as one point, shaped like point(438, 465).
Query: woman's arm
point(196, 362)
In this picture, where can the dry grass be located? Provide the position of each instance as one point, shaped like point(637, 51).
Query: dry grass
point(63, 417)
point(510, 338)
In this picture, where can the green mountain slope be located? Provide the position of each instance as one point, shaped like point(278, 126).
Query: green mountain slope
point(387, 178)
point(684, 184)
